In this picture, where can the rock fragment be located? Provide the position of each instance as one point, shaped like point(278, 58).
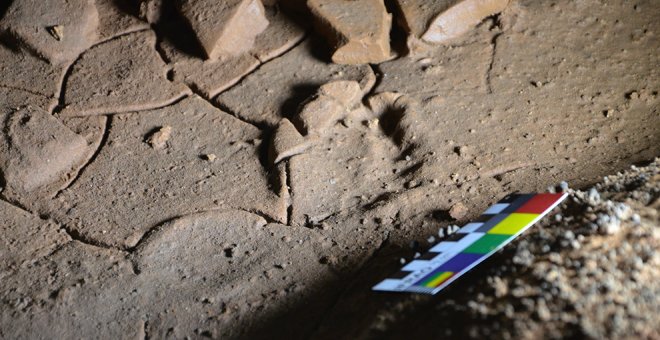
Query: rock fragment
point(281, 35)
point(225, 27)
point(458, 211)
point(359, 31)
point(150, 10)
point(209, 157)
point(441, 21)
point(460, 18)
point(57, 31)
point(287, 142)
point(158, 139)
point(212, 76)
point(120, 75)
point(38, 153)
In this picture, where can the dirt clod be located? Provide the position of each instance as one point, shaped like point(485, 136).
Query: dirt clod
point(158, 139)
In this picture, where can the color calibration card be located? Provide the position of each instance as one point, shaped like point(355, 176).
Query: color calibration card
point(470, 245)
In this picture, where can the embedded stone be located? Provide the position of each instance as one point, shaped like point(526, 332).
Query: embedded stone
point(212, 76)
point(225, 27)
point(358, 31)
point(158, 140)
point(437, 22)
point(281, 35)
point(150, 10)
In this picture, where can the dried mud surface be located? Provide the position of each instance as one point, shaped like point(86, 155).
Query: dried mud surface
point(150, 193)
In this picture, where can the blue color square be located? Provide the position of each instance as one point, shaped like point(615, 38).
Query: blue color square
point(459, 262)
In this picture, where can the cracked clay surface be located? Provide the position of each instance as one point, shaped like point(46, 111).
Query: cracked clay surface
point(191, 178)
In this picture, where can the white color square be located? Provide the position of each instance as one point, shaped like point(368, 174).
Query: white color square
point(496, 208)
point(470, 227)
point(389, 285)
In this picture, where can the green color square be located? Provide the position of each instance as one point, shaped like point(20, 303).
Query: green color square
point(486, 244)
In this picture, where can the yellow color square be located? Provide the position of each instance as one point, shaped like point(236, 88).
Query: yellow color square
point(513, 224)
point(438, 280)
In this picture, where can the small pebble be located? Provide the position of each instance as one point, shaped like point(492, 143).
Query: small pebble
point(636, 219)
point(458, 211)
point(209, 157)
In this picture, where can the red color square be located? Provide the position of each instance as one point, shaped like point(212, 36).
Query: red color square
point(539, 203)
